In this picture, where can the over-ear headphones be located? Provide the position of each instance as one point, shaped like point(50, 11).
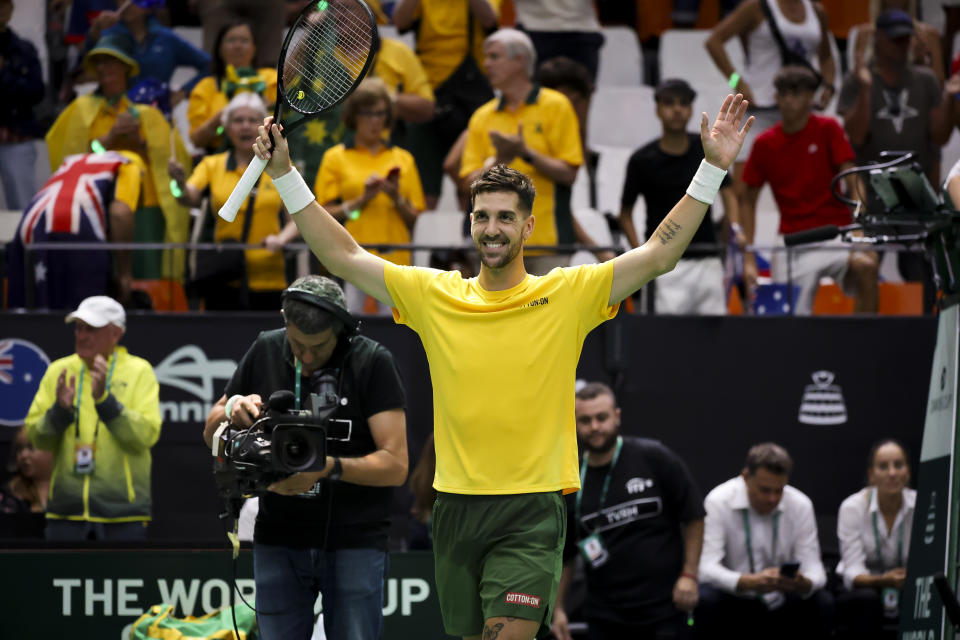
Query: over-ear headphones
point(351, 326)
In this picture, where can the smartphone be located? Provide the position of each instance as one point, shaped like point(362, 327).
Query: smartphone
point(789, 569)
point(393, 174)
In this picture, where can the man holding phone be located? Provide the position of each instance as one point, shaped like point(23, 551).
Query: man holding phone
point(760, 568)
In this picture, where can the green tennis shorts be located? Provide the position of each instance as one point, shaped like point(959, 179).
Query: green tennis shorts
point(497, 555)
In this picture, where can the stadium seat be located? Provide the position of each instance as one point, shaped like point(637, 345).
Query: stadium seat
point(166, 294)
point(683, 55)
point(622, 117)
point(193, 35)
point(390, 31)
point(8, 225)
point(436, 228)
point(621, 63)
point(896, 299)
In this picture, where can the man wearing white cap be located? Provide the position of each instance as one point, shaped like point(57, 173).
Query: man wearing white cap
point(98, 411)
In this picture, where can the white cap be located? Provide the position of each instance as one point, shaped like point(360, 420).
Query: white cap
point(99, 311)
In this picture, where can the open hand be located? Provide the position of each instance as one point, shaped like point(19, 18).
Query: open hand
point(66, 391)
point(98, 376)
point(722, 143)
point(508, 146)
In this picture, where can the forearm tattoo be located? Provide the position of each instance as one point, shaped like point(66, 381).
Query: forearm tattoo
point(667, 230)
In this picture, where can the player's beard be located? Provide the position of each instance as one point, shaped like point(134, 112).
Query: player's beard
point(503, 259)
point(606, 445)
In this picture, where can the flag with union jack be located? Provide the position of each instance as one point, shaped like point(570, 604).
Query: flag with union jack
point(72, 206)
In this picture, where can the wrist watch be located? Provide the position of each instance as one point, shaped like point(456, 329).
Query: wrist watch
point(526, 156)
point(337, 470)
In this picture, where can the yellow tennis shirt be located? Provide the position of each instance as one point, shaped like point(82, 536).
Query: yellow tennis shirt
point(503, 366)
point(220, 173)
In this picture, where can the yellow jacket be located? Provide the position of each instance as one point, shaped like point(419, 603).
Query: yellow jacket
point(121, 427)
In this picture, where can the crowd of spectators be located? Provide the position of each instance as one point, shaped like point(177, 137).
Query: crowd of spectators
point(477, 92)
point(473, 92)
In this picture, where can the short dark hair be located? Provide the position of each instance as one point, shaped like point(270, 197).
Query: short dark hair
point(564, 73)
point(769, 456)
point(368, 93)
point(499, 178)
point(592, 390)
point(793, 77)
point(675, 87)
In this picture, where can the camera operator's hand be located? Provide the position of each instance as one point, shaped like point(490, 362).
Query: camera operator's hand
point(246, 410)
point(299, 482)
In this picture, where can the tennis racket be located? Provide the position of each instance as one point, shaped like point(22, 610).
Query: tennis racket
point(324, 57)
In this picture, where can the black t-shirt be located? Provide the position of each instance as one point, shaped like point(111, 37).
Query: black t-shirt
point(662, 179)
point(359, 516)
point(651, 495)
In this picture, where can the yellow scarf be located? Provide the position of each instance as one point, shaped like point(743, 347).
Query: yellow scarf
point(70, 134)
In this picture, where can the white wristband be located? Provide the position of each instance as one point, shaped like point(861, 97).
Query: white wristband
point(228, 409)
point(294, 192)
point(706, 183)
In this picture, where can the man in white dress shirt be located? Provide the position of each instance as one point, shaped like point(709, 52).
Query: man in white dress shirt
point(756, 527)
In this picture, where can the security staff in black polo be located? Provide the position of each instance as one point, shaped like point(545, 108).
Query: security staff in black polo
point(323, 532)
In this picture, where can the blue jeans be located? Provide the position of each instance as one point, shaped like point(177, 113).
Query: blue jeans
point(288, 581)
point(17, 173)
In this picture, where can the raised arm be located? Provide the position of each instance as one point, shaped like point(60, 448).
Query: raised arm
point(330, 242)
point(660, 253)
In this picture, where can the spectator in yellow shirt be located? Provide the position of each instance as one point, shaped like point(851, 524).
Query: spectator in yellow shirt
point(370, 185)
point(532, 129)
point(450, 37)
point(233, 55)
point(219, 174)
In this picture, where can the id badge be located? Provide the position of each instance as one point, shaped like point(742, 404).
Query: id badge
point(773, 600)
point(594, 551)
point(83, 459)
point(891, 602)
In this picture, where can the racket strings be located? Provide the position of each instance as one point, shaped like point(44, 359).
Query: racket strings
point(325, 57)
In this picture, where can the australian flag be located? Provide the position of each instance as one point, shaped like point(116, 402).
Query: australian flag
point(72, 206)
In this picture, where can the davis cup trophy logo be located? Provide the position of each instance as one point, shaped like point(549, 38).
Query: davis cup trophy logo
point(822, 402)
point(22, 365)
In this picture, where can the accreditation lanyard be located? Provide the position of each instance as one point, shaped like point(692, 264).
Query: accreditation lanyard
point(876, 537)
point(83, 369)
point(606, 480)
point(296, 384)
point(746, 531)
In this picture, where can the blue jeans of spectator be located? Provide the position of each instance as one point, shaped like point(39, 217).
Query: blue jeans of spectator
point(73, 530)
point(17, 173)
point(289, 579)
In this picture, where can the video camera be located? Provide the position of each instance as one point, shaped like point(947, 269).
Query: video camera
point(280, 443)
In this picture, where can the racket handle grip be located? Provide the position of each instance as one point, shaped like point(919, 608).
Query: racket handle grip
point(247, 181)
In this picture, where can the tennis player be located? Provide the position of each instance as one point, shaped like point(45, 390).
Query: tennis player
point(503, 350)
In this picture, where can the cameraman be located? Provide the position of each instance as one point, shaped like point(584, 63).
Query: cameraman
point(323, 532)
